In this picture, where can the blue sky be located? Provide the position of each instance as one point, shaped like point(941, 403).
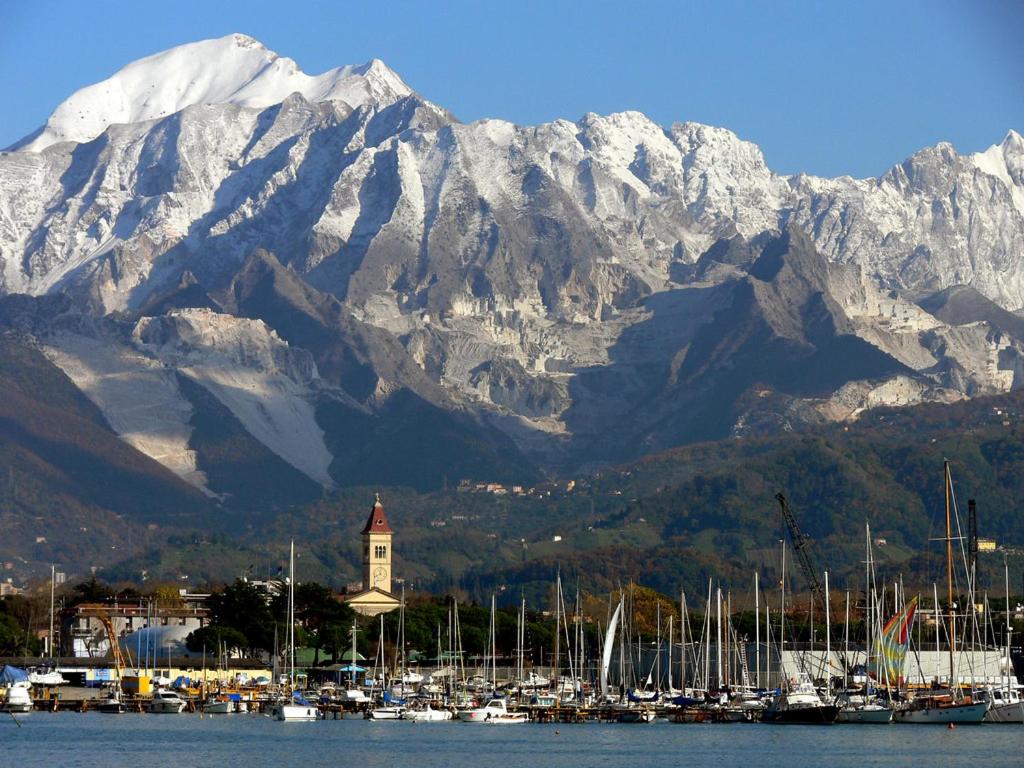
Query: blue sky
point(823, 87)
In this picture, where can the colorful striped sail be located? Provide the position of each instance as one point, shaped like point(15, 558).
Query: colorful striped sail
point(890, 648)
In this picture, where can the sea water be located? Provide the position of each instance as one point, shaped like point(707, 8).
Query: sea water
point(183, 741)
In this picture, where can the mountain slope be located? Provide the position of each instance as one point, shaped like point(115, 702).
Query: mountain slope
point(551, 295)
point(72, 492)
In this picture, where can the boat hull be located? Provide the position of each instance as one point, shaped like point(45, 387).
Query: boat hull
point(166, 707)
point(959, 714)
point(1006, 713)
point(864, 716)
point(386, 713)
point(636, 716)
point(218, 708)
point(427, 715)
point(295, 713)
point(823, 715)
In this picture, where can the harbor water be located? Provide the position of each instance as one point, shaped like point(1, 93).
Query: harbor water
point(47, 740)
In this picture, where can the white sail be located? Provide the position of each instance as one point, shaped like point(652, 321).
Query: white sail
point(609, 641)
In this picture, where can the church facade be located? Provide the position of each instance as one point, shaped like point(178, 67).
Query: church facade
point(376, 596)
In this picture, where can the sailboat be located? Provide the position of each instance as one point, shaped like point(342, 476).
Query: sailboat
point(953, 706)
point(800, 704)
point(297, 708)
point(889, 652)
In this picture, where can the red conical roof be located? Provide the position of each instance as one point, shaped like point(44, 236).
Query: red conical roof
point(377, 522)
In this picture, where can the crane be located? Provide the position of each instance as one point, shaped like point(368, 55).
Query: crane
point(102, 613)
point(801, 544)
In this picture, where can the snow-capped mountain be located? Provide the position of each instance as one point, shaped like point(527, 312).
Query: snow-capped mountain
point(556, 284)
point(230, 70)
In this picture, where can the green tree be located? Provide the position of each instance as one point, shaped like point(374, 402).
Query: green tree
point(91, 591)
point(245, 608)
point(212, 636)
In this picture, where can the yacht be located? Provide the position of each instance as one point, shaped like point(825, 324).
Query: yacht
point(800, 705)
point(298, 709)
point(427, 715)
point(941, 710)
point(166, 702)
point(388, 712)
point(17, 698)
point(1006, 705)
point(495, 711)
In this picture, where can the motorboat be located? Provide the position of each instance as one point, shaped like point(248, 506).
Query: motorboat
point(388, 712)
point(1007, 706)
point(110, 703)
point(495, 711)
point(17, 697)
point(218, 705)
point(166, 702)
point(427, 715)
point(800, 705)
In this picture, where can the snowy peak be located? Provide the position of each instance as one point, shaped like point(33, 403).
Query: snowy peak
point(235, 69)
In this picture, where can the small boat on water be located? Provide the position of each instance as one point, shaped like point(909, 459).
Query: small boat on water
point(495, 711)
point(111, 703)
point(17, 698)
point(636, 715)
point(218, 705)
point(1007, 706)
point(941, 710)
point(296, 709)
point(801, 705)
point(427, 715)
point(389, 712)
point(165, 702)
point(865, 713)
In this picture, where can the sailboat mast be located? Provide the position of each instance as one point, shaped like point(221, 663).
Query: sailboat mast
point(757, 633)
point(718, 630)
point(782, 616)
point(291, 614)
point(846, 644)
point(657, 657)
point(949, 578)
point(683, 621)
point(828, 637)
point(558, 634)
point(53, 581)
point(1006, 579)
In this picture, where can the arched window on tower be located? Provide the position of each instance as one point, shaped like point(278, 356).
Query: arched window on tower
point(380, 551)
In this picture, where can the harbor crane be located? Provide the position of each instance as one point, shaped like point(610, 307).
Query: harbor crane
point(801, 544)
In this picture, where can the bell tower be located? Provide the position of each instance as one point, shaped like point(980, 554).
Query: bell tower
point(377, 535)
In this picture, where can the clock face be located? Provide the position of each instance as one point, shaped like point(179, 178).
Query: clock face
point(379, 575)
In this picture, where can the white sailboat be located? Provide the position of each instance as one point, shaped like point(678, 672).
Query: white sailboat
point(295, 709)
point(606, 656)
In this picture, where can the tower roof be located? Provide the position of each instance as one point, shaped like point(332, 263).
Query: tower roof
point(377, 522)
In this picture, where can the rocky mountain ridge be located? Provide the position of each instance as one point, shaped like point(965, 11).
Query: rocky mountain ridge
point(568, 293)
